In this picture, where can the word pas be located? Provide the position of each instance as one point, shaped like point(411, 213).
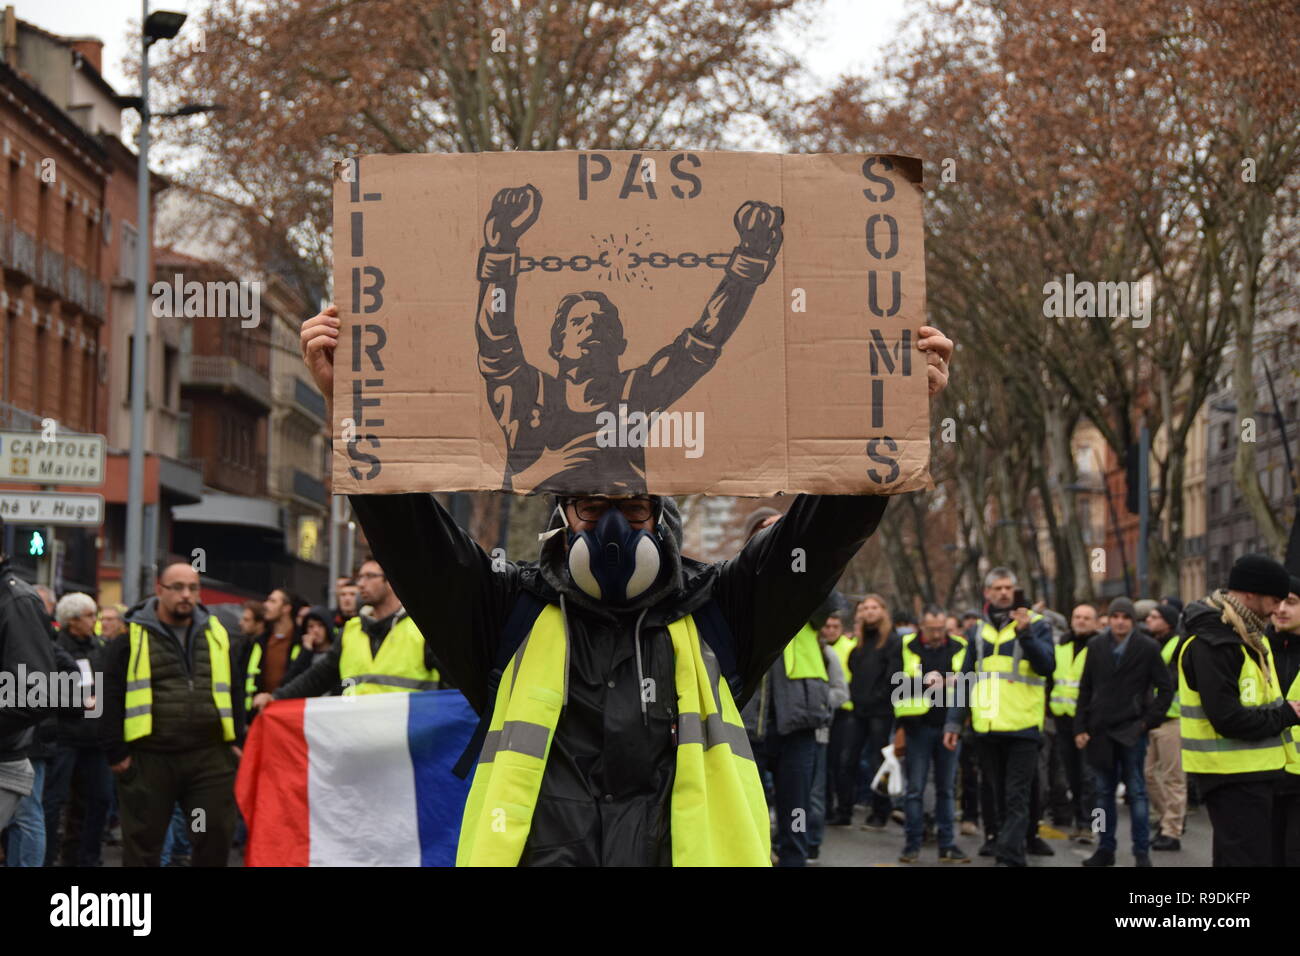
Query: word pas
point(103, 909)
point(655, 430)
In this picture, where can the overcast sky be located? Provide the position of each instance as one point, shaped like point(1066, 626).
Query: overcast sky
point(848, 34)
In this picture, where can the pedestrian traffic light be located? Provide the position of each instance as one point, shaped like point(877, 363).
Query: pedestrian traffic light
point(36, 547)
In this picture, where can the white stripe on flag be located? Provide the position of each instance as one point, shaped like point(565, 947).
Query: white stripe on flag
point(360, 784)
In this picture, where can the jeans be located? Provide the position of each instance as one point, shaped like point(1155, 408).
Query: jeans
point(874, 733)
point(176, 842)
point(86, 769)
point(26, 846)
point(1009, 765)
point(790, 757)
point(1128, 765)
point(924, 747)
point(817, 798)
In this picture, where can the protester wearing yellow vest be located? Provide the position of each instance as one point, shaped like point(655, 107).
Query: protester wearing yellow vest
point(1166, 781)
point(1284, 642)
point(1071, 656)
point(1011, 656)
point(839, 764)
point(1233, 713)
point(170, 722)
point(640, 763)
point(380, 651)
point(926, 671)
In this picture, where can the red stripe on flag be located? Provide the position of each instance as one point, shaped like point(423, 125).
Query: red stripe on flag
point(272, 787)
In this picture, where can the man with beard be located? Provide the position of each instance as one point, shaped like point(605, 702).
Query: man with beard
point(169, 722)
point(1071, 656)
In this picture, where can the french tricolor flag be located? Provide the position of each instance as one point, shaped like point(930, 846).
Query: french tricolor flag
point(355, 781)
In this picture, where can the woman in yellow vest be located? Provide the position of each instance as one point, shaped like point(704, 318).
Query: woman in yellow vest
point(1233, 713)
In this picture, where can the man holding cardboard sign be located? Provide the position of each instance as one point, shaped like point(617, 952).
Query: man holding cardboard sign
point(610, 671)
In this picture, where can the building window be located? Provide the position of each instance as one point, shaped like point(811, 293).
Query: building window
point(126, 262)
point(171, 362)
point(1214, 501)
point(1225, 435)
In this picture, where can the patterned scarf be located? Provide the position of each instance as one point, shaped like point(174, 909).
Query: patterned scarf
point(1249, 625)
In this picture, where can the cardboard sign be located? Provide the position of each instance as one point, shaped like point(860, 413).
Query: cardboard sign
point(616, 322)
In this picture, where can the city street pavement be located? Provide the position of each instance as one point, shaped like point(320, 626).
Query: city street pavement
point(853, 846)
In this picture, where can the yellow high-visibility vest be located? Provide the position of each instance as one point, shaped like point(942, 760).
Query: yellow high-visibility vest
point(1064, 701)
point(1008, 695)
point(912, 700)
point(719, 814)
point(399, 665)
point(803, 656)
point(844, 647)
point(255, 671)
point(138, 720)
point(1204, 749)
point(1290, 735)
point(1167, 655)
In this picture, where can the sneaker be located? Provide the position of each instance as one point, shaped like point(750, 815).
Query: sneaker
point(875, 823)
point(898, 816)
point(840, 820)
point(990, 847)
point(1101, 858)
point(1163, 842)
point(814, 852)
point(951, 854)
point(968, 828)
point(1083, 835)
point(1037, 846)
point(1141, 859)
point(910, 854)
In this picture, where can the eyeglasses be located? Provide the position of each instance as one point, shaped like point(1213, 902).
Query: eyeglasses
point(181, 587)
point(593, 509)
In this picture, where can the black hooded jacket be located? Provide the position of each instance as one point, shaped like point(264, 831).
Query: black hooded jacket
point(25, 649)
point(605, 794)
point(1211, 665)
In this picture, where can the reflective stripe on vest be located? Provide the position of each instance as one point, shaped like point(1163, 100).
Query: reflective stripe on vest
point(397, 668)
point(138, 717)
point(255, 671)
point(1066, 679)
point(1204, 749)
point(911, 698)
point(844, 647)
point(1291, 735)
point(1008, 695)
point(803, 656)
point(1167, 655)
point(719, 815)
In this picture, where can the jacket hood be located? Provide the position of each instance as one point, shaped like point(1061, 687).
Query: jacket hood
point(322, 614)
point(1206, 622)
point(683, 584)
point(146, 615)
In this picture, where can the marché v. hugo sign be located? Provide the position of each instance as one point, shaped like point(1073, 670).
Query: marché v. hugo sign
point(726, 323)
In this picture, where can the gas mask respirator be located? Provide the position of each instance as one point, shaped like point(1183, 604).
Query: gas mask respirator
point(613, 562)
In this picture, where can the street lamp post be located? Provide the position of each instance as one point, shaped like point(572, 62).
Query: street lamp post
point(159, 25)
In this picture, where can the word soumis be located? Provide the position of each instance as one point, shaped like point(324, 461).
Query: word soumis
point(210, 300)
point(74, 908)
point(655, 430)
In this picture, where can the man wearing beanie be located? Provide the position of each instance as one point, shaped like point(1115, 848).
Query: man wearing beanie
point(1124, 692)
point(1166, 782)
point(1233, 714)
point(1284, 641)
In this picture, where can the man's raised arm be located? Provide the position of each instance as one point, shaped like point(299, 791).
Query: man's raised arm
point(671, 371)
point(511, 381)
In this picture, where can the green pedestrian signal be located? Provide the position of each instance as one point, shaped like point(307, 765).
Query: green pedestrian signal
point(36, 547)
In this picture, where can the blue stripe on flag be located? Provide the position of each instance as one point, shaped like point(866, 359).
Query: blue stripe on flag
point(439, 724)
